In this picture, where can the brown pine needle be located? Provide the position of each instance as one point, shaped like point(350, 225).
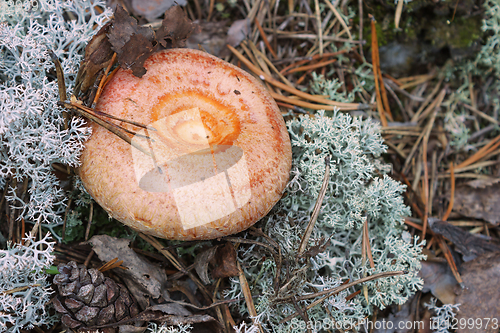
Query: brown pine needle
point(494, 143)
point(303, 77)
point(104, 79)
point(375, 64)
point(313, 66)
point(113, 263)
point(367, 244)
point(449, 258)
point(354, 294)
point(452, 194)
point(264, 38)
point(313, 58)
point(414, 225)
point(303, 104)
point(298, 93)
point(426, 187)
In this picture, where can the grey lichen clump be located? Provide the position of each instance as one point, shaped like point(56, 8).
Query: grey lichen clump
point(359, 191)
point(33, 135)
point(24, 289)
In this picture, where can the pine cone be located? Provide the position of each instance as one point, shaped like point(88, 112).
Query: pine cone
point(87, 298)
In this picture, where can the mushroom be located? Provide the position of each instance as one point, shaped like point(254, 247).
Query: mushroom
point(215, 156)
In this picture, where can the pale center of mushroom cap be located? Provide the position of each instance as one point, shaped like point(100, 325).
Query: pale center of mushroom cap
point(193, 157)
point(193, 131)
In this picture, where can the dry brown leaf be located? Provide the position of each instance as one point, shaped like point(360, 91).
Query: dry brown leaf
point(483, 182)
point(168, 315)
point(211, 37)
point(131, 329)
point(439, 280)
point(238, 31)
point(478, 203)
point(98, 54)
point(405, 313)
point(152, 9)
point(226, 262)
point(132, 43)
point(479, 298)
point(469, 245)
point(175, 28)
point(141, 277)
point(202, 261)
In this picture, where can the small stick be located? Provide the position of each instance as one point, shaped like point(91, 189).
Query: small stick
point(339, 17)
point(320, 28)
point(176, 263)
point(17, 289)
point(331, 292)
point(248, 297)
point(91, 214)
point(397, 15)
point(317, 208)
point(452, 194)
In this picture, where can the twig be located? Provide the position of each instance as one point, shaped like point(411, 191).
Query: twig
point(248, 297)
point(320, 28)
point(397, 15)
point(339, 17)
point(452, 194)
point(177, 264)
point(317, 208)
point(89, 223)
point(330, 292)
point(427, 132)
point(480, 114)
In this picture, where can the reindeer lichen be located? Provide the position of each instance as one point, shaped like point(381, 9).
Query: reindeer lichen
point(24, 289)
point(359, 191)
point(33, 134)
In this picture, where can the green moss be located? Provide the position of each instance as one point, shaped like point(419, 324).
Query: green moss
point(459, 34)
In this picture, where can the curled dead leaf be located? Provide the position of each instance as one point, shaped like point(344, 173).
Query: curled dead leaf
point(132, 43)
point(226, 262)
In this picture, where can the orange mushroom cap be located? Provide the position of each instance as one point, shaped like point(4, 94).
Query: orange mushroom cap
point(218, 157)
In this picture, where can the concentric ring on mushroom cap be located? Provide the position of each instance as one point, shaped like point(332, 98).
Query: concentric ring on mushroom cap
point(219, 155)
